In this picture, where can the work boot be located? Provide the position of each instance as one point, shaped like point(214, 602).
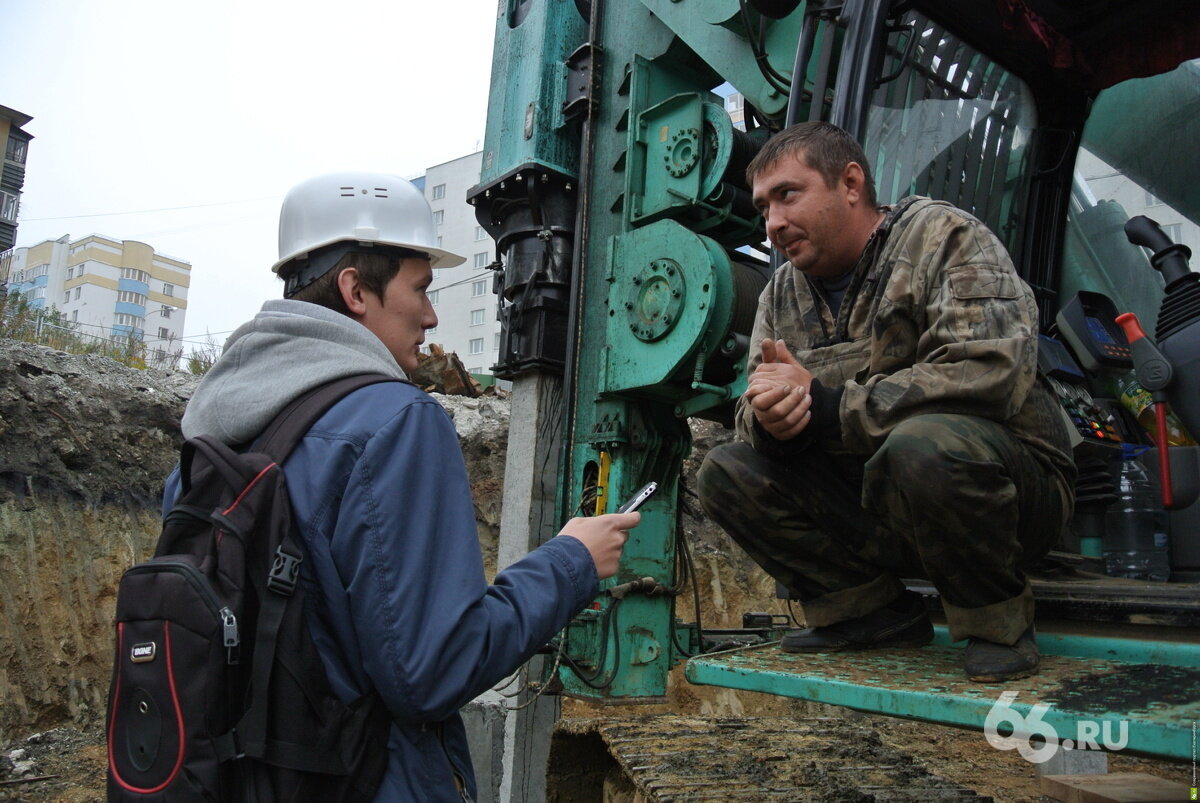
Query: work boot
point(903, 623)
point(988, 662)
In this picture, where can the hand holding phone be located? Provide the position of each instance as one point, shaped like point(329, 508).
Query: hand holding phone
point(635, 501)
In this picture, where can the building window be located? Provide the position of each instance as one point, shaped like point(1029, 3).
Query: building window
point(481, 260)
point(431, 330)
point(1151, 200)
point(74, 316)
point(124, 319)
point(480, 233)
point(168, 289)
point(70, 273)
point(15, 151)
point(439, 192)
point(67, 299)
point(478, 287)
point(135, 274)
point(164, 333)
point(496, 342)
point(432, 295)
point(438, 216)
point(478, 369)
point(38, 292)
point(439, 241)
point(8, 207)
point(78, 290)
point(166, 311)
point(131, 298)
point(1173, 231)
point(39, 270)
point(476, 346)
point(477, 317)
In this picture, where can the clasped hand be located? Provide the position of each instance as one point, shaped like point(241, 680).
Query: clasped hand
point(778, 392)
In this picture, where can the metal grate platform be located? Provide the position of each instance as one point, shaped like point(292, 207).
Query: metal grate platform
point(1095, 688)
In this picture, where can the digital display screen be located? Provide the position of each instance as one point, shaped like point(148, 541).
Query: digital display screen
point(1099, 332)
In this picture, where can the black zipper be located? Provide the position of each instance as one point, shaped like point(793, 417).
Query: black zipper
point(459, 780)
point(223, 614)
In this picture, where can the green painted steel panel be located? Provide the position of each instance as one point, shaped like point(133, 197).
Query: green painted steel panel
point(525, 123)
point(1148, 692)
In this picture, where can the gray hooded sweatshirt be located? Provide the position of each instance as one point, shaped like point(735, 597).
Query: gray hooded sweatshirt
point(289, 347)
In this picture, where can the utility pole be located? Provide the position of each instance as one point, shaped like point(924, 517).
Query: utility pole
point(528, 520)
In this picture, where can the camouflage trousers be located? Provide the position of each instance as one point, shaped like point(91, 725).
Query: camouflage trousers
point(954, 499)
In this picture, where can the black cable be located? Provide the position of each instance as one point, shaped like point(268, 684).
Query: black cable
point(762, 48)
point(792, 613)
point(569, 662)
point(691, 568)
point(688, 573)
point(776, 80)
point(684, 575)
point(609, 624)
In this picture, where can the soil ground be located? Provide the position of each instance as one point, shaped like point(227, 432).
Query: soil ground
point(66, 764)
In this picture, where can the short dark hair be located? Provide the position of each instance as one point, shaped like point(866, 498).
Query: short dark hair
point(375, 270)
point(824, 147)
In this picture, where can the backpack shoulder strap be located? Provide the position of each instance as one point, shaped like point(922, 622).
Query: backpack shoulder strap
point(249, 736)
point(281, 435)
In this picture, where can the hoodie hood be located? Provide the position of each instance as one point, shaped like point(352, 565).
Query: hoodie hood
point(289, 347)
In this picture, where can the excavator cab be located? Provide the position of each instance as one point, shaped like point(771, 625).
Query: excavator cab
point(1055, 124)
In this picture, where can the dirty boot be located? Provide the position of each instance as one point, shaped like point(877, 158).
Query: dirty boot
point(904, 623)
point(988, 662)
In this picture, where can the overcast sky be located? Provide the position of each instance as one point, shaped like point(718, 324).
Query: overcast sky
point(183, 124)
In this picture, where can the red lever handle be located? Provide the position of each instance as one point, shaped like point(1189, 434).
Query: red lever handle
point(1146, 354)
point(1133, 329)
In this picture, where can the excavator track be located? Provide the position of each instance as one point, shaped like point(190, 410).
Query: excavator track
point(743, 759)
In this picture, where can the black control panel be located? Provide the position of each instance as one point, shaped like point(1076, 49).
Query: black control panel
point(1096, 420)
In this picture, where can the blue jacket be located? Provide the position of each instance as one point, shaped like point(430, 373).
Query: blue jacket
point(396, 585)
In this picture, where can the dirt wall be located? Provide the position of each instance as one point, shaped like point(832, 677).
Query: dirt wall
point(85, 446)
point(61, 564)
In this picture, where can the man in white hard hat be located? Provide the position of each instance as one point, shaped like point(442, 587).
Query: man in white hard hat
point(378, 487)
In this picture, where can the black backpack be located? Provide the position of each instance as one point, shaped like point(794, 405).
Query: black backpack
point(218, 692)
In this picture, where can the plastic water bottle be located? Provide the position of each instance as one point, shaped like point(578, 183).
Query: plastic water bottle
point(1135, 537)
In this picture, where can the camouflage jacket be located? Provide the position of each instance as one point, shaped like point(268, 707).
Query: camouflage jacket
point(935, 320)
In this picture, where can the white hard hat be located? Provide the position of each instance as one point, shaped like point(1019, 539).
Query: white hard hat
point(371, 209)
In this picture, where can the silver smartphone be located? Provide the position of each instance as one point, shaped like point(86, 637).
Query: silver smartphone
point(635, 501)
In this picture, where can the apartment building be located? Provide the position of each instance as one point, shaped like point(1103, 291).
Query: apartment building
point(107, 288)
point(12, 174)
point(462, 296)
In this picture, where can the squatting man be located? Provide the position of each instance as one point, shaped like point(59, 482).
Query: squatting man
point(894, 424)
